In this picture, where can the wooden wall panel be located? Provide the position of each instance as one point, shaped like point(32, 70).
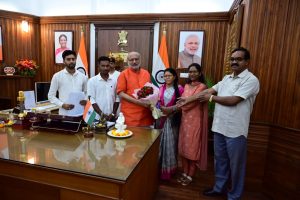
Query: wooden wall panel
point(282, 171)
point(214, 25)
point(16, 43)
point(139, 38)
point(47, 45)
point(256, 156)
point(10, 85)
point(214, 44)
point(271, 32)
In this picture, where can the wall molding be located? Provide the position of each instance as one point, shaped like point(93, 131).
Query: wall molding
point(19, 16)
point(151, 18)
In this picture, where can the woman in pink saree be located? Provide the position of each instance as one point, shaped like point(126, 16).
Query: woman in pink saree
point(168, 95)
point(192, 144)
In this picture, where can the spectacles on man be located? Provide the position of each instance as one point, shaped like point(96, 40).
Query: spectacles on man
point(237, 59)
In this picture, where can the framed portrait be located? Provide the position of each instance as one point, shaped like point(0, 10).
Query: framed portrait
point(1, 45)
point(63, 40)
point(190, 48)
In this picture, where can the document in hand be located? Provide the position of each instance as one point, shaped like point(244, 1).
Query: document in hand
point(75, 98)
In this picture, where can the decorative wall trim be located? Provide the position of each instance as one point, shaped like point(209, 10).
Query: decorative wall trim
point(234, 34)
point(195, 17)
point(19, 16)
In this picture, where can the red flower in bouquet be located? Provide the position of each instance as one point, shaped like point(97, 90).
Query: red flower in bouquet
point(26, 67)
point(144, 92)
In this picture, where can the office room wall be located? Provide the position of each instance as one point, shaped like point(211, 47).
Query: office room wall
point(17, 44)
point(272, 33)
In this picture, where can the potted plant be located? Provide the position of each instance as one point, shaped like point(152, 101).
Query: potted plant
point(211, 105)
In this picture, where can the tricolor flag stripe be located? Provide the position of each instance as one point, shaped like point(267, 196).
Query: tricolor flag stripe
point(81, 60)
point(89, 114)
point(162, 62)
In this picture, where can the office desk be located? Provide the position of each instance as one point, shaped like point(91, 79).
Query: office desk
point(44, 165)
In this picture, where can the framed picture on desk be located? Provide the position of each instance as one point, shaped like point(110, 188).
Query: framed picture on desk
point(63, 40)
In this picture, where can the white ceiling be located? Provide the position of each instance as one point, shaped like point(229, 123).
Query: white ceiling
point(98, 7)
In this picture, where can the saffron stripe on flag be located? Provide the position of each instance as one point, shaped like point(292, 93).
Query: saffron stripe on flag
point(89, 113)
point(162, 62)
point(81, 61)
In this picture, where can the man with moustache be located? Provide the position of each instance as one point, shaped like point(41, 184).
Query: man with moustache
point(102, 91)
point(66, 81)
point(188, 55)
point(136, 112)
point(234, 97)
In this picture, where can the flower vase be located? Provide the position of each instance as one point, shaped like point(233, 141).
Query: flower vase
point(30, 73)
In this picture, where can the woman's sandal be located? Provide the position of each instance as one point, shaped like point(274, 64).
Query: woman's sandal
point(181, 178)
point(187, 181)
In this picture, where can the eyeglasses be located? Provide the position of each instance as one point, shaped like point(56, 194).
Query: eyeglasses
point(238, 59)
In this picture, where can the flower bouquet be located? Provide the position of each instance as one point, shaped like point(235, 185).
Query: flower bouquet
point(26, 67)
point(149, 92)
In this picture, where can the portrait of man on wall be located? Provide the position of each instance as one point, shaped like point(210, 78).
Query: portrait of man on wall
point(190, 48)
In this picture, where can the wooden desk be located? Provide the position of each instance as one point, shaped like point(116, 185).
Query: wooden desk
point(43, 165)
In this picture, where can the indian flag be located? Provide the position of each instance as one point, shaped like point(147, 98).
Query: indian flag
point(162, 62)
point(81, 61)
point(89, 113)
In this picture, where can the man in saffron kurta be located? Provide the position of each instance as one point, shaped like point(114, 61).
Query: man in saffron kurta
point(136, 112)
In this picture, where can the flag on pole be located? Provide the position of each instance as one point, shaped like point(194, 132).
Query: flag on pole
point(162, 62)
point(89, 113)
point(81, 61)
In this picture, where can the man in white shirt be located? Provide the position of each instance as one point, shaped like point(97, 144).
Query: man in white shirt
point(66, 81)
point(101, 90)
point(113, 73)
point(234, 97)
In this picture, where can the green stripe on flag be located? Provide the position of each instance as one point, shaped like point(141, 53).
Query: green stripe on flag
point(91, 118)
point(153, 81)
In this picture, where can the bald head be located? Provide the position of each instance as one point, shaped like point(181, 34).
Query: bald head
point(134, 60)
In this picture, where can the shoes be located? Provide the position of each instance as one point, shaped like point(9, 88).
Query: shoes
point(181, 178)
point(211, 193)
point(187, 181)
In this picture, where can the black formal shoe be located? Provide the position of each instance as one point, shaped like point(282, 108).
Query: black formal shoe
point(211, 193)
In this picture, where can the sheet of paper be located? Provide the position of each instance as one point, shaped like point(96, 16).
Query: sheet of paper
point(29, 99)
point(75, 98)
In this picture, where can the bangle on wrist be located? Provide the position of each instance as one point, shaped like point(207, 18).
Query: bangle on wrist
point(211, 98)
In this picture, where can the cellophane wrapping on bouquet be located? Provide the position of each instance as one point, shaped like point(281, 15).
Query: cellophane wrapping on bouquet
point(150, 93)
